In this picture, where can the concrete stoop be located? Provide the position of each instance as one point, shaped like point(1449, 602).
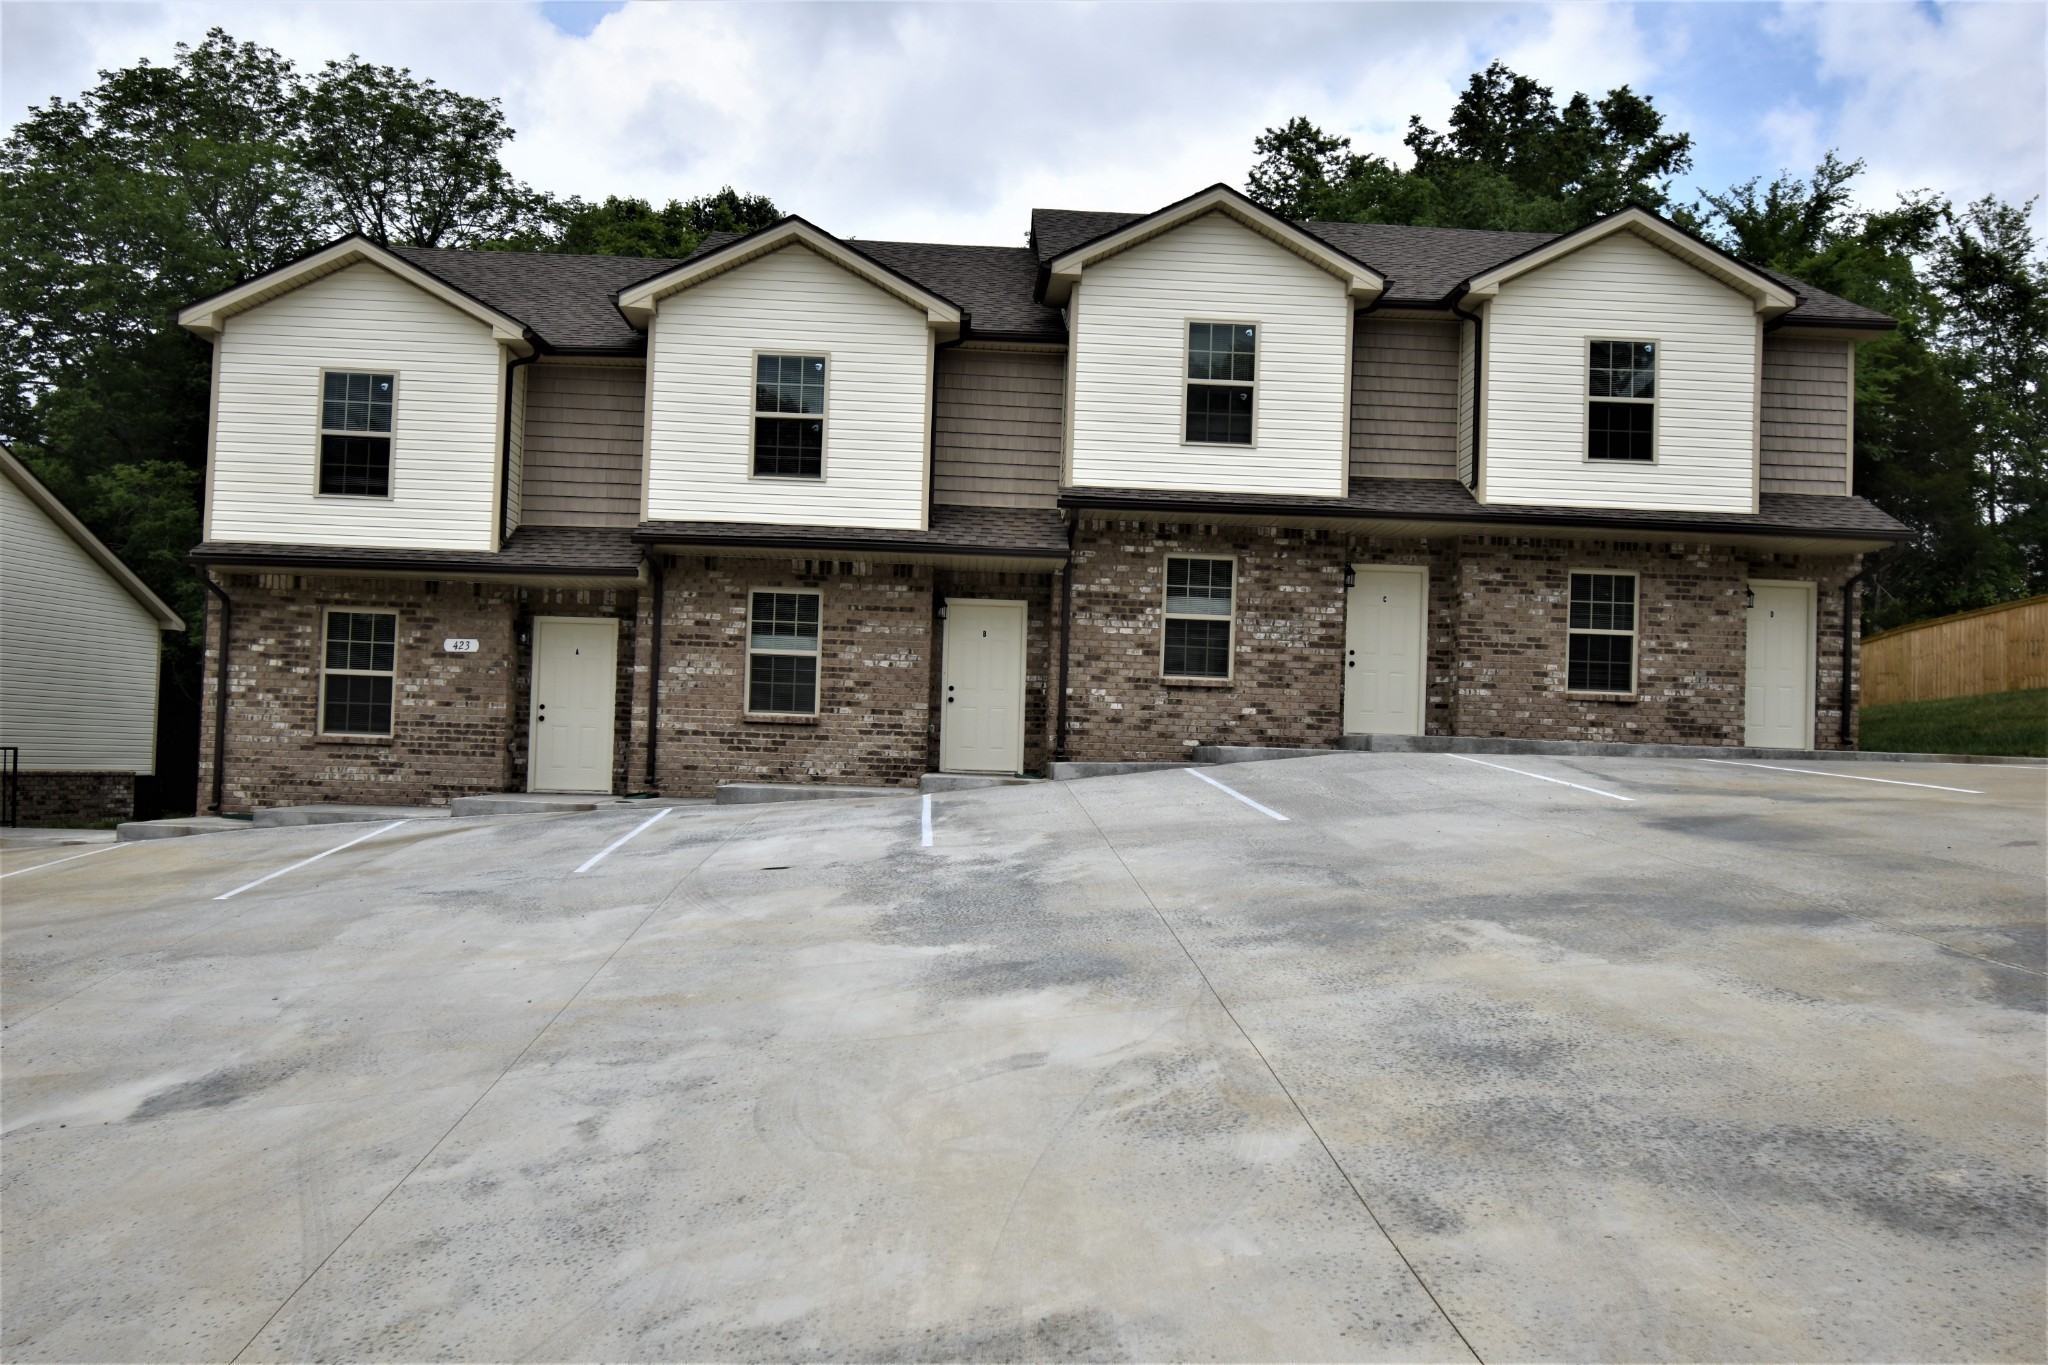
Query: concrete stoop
point(1251, 753)
point(961, 782)
point(178, 827)
point(760, 793)
point(1072, 772)
point(337, 813)
point(1573, 748)
point(527, 803)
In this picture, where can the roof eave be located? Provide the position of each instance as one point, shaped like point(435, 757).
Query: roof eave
point(1770, 298)
point(32, 488)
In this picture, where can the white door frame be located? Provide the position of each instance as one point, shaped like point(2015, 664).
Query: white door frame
point(533, 688)
point(1023, 610)
point(1421, 571)
point(1811, 590)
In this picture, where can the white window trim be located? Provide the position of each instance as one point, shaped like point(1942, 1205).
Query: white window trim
point(1230, 648)
point(1634, 633)
point(321, 429)
point(327, 616)
point(1587, 400)
point(1187, 352)
point(824, 420)
point(747, 674)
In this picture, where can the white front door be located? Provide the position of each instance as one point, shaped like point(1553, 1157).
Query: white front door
point(1384, 651)
point(981, 711)
point(575, 681)
point(1778, 686)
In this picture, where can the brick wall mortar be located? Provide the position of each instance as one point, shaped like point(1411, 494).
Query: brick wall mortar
point(68, 800)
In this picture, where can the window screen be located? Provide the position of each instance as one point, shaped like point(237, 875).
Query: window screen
point(355, 433)
point(359, 667)
point(782, 653)
point(791, 444)
point(1602, 633)
point(1222, 377)
point(1621, 413)
point(1200, 597)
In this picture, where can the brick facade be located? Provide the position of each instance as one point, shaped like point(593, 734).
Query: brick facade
point(69, 800)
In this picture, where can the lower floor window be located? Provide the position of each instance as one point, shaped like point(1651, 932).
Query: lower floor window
point(782, 653)
point(1601, 646)
point(1200, 595)
point(359, 667)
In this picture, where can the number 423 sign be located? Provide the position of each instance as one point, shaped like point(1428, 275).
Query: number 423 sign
point(458, 646)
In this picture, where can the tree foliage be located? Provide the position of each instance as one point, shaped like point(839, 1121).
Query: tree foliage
point(634, 227)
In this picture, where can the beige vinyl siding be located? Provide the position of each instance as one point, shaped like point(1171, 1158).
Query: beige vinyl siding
point(583, 446)
point(1468, 398)
point(996, 433)
point(515, 454)
point(444, 448)
point(701, 395)
point(1130, 352)
point(1404, 400)
point(1621, 288)
point(1806, 415)
point(78, 654)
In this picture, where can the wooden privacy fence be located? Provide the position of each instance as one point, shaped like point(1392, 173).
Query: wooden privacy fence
point(1992, 649)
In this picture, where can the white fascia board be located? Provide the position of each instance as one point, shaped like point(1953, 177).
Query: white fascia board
point(638, 302)
point(32, 488)
point(205, 317)
point(1361, 281)
point(1770, 297)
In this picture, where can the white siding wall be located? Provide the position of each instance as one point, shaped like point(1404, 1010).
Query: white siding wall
point(701, 386)
point(444, 449)
point(1621, 288)
point(1130, 351)
point(78, 655)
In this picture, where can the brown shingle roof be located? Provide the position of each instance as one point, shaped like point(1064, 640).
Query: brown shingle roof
point(567, 300)
point(565, 551)
point(1004, 532)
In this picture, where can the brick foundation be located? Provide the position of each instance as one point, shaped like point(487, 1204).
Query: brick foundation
point(67, 800)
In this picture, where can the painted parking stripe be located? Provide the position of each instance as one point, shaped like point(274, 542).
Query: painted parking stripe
point(54, 861)
point(927, 840)
point(1263, 810)
point(1540, 777)
point(383, 829)
point(1846, 777)
point(594, 859)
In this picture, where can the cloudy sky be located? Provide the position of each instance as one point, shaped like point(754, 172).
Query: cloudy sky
point(950, 121)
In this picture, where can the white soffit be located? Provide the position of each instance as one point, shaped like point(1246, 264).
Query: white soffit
point(1361, 281)
point(208, 315)
point(638, 301)
point(1770, 297)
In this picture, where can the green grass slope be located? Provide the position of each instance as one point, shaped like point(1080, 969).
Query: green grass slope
point(2014, 723)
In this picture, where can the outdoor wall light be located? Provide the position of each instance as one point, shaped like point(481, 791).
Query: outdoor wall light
point(1748, 597)
point(1350, 577)
point(942, 611)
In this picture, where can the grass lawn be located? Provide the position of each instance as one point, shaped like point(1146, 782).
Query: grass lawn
point(2001, 723)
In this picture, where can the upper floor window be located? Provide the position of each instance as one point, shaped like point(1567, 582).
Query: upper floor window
point(1601, 634)
point(1222, 376)
point(1621, 415)
point(790, 445)
point(782, 653)
point(358, 669)
point(1200, 602)
point(355, 433)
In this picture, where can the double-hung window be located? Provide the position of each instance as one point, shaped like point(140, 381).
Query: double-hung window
point(782, 653)
point(1621, 401)
point(359, 666)
point(355, 433)
point(1601, 644)
point(789, 416)
point(1200, 595)
point(1222, 380)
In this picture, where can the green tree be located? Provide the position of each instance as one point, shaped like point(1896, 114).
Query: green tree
point(634, 227)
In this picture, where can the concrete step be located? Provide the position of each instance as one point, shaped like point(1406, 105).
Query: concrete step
point(179, 828)
point(280, 817)
point(1070, 772)
point(759, 793)
point(1571, 748)
point(524, 803)
point(962, 782)
point(1251, 753)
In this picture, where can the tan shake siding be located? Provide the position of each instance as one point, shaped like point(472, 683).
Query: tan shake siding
point(1404, 400)
point(583, 445)
point(1468, 401)
point(997, 428)
point(1806, 415)
point(515, 453)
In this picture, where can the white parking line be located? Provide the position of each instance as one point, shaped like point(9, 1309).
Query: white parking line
point(594, 859)
point(1263, 810)
point(1846, 777)
point(927, 841)
point(54, 861)
point(1612, 796)
point(384, 829)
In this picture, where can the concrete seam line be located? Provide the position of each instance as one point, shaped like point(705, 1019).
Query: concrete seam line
point(1266, 1062)
point(1846, 777)
point(926, 818)
point(70, 858)
point(1263, 810)
point(1541, 778)
point(594, 859)
point(484, 1094)
point(314, 859)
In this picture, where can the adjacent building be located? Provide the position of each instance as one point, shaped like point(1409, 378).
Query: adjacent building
point(807, 509)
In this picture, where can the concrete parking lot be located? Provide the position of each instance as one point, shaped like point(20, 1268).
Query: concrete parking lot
point(1416, 1057)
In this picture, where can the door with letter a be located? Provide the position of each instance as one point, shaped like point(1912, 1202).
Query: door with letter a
point(1778, 669)
point(575, 682)
point(1384, 650)
point(981, 706)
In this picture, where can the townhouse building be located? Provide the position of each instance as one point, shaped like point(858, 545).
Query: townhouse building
point(806, 509)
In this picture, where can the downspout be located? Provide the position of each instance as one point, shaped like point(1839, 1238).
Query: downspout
point(1059, 742)
point(1478, 381)
point(1849, 641)
point(658, 562)
point(505, 453)
point(220, 685)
